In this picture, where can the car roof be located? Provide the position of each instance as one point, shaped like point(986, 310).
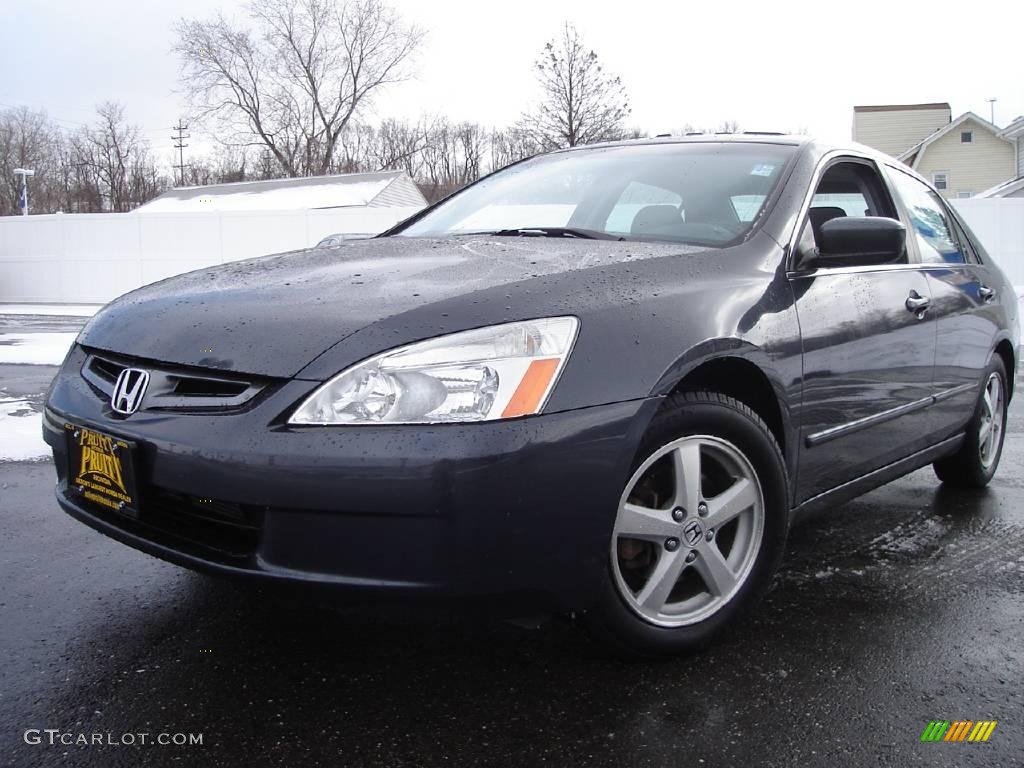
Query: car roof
point(815, 146)
point(756, 137)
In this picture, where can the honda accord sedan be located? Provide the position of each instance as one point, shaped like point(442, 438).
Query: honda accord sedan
point(604, 380)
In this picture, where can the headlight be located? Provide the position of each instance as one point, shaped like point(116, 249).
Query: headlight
point(490, 373)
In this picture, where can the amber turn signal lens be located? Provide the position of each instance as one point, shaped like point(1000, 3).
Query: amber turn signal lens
point(531, 390)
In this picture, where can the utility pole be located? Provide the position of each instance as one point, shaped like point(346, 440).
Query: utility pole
point(23, 193)
point(179, 144)
point(992, 110)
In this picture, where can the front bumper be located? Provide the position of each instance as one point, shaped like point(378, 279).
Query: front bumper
point(522, 507)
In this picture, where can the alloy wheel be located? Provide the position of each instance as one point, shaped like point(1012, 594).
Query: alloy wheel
point(993, 416)
point(688, 531)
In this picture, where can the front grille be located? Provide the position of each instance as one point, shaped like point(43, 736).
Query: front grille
point(211, 529)
point(193, 386)
point(172, 387)
point(212, 510)
point(106, 370)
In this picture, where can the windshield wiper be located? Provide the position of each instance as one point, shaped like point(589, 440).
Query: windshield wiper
point(584, 234)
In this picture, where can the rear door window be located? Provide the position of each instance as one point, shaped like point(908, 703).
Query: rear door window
point(931, 223)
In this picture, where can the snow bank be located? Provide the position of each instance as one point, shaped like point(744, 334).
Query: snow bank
point(21, 432)
point(35, 348)
point(57, 310)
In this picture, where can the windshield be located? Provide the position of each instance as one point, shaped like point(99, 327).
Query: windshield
point(700, 193)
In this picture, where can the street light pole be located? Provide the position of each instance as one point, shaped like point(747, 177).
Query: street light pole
point(23, 198)
point(992, 110)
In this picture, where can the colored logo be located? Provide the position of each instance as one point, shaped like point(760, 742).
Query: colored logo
point(958, 730)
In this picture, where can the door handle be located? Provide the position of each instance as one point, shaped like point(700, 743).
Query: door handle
point(987, 294)
point(917, 304)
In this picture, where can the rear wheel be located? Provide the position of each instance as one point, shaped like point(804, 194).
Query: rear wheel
point(974, 465)
point(700, 529)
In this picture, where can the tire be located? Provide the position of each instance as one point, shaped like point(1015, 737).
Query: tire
point(739, 459)
point(974, 465)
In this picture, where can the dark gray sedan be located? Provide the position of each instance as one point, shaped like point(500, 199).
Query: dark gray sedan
point(602, 380)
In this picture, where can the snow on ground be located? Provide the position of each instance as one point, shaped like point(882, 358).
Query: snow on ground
point(21, 431)
point(60, 310)
point(912, 537)
point(35, 348)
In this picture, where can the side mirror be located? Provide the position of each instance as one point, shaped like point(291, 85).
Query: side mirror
point(856, 240)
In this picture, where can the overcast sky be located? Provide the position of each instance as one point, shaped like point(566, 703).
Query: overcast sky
point(781, 65)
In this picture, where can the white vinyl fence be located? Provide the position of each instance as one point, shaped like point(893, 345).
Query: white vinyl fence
point(999, 224)
point(93, 257)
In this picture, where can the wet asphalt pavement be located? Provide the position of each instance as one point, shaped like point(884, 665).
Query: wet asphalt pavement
point(902, 607)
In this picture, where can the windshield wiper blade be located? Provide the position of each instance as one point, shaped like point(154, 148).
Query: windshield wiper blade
point(584, 234)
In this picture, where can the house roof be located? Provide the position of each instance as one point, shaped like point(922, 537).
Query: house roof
point(900, 107)
point(341, 190)
point(1004, 189)
point(917, 151)
point(1014, 130)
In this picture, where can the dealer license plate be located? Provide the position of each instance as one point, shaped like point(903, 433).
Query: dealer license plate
point(101, 469)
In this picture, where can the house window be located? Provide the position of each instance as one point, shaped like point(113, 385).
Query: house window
point(940, 180)
point(964, 195)
point(966, 137)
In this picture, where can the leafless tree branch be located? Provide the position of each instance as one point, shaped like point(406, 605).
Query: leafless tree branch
point(580, 103)
point(296, 74)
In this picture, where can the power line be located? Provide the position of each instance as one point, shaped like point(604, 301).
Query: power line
point(179, 144)
point(73, 122)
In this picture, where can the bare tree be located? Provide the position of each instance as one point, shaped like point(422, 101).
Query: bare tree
point(295, 77)
point(28, 139)
point(511, 145)
point(103, 166)
point(231, 164)
point(199, 171)
point(77, 190)
point(224, 165)
point(266, 166)
point(143, 180)
point(354, 149)
point(453, 156)
point(397, 145)
point(580, 102)
point(729, 126)
point(114, 154)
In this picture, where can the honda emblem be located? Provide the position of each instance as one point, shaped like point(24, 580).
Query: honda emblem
point(129, 390)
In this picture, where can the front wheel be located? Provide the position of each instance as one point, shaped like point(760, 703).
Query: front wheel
point(700, 529)
point(974, 465)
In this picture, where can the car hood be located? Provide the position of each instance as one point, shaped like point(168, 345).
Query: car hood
point(275, 315)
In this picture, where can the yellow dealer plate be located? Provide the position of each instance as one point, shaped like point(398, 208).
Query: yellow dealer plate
point(101, 469)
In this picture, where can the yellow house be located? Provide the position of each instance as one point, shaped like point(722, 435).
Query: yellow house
point(964, 158)
point(1014, 133)
point(895, 128)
